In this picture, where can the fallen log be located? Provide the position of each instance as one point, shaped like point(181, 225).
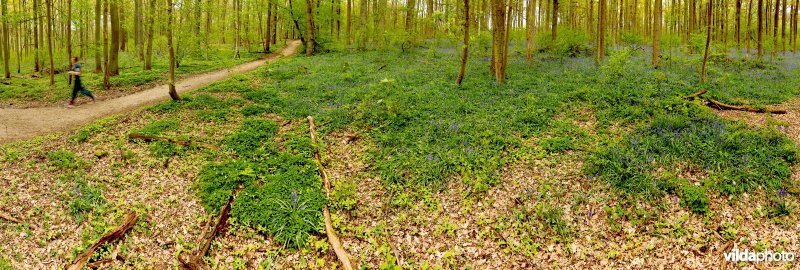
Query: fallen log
point(127, 223)
point(722, 106)
point(9, 218)
point(332, 238)
point(149, 138)
point(195, 261)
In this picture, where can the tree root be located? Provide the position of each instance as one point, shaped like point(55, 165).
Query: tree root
point(127, 224)
point(195, 261)
point(722, 106)
point(332, 238)
point(148, 138)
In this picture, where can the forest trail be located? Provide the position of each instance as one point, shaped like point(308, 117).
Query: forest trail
point(18, 124)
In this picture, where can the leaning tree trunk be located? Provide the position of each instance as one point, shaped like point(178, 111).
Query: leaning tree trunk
point(465, 52)
point(172, 92)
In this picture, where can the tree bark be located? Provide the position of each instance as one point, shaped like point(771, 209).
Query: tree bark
point(601, 30)
point(657, 32)
point(554, 23)
point(36, 34)
point(148, 55)
point(50, 40)
point(749, 34)
point(465, 50)
point(98, 67)
point(127, 224)
point(172, 92)
point(775, 24)
point(5, 38)
point(113, 54)
point(499, 40)
point(529, 24)
point(760, 41)
point(310, 40)
point(708, 43)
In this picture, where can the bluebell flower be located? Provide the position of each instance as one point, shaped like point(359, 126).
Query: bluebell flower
point(295, 198)
point(782, 193)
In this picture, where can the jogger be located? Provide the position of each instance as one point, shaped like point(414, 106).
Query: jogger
point(78, 86)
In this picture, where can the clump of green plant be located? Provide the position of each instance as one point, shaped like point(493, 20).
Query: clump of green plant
point(557, 144)
point(86, 132)
point(170, 106)
point(83, 197)
point(694, 198)
point(254, 110)
point(252, 139)
point(553, 219)
point(218, 115)
point(736, 157)
point(779, 205)
point(345, 196)
point(66, 160)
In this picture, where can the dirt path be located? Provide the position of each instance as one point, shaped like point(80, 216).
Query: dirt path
point(18, 124)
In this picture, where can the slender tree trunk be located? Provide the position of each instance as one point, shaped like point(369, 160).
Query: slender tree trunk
point(6, 37)
point(795, 23)
point(411, 11)
point(601, 30)
point(148, 55)
point(310, 40)
point(50, 40)
point(350, 21)
point(465, 50)
point(98, 66)
point(783, 26)
point(738, 26)
point(708, 43)
point(748, 30)
point(106, 53)
point(529, 20)
point(172, 92)
point(36, 35)
point(760, 40)
point(775, 29)
point(268, 36)
point(69, 39)
point(657, 32)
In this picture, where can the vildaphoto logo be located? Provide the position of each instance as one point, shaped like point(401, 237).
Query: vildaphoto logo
point(736, 255)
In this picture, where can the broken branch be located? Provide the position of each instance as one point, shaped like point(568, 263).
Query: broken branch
point(127, 223)
point(697, 94)
point(9, 217)
point(195, 261)
point(722, 106)
point(332, 238)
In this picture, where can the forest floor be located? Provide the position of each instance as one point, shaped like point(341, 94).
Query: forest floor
point(426, 174)
point(29, 122)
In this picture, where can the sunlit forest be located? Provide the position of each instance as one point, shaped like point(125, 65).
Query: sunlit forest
point(399, 134)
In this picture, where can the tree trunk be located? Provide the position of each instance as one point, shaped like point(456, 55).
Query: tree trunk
point(760, 40)
point(98, 67)
point(172, 92)
point(749, 34)
point(529, 20)
point(113, 57)
point(554, 23)
point(411, 11)
point(795, 23)
point(148, 55)
point(657, 32)
point(106, 24)
point(310, 40)
point(268, 35)
point(498, 40)
point(36, 35)
point(50, 40)
point(775, 29)
point(465, 50)
point(708, 43)
point(738, 26)
point(69, 40)
point(5, 39)
point(601, 30)
point(783, 26)
point(349, 21)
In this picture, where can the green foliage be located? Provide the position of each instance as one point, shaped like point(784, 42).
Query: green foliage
point(557, 144)
point(219, 115)
point(737, 158)
point(568, 43)
point(252, 139)
point(86, 132)
point(170, 106)
point(553, 219)
point(66, 160)
point(694, 198)
point(4, 264)
point(345, 196)
point(255, 110)
point(83, 196)
point(158, 127)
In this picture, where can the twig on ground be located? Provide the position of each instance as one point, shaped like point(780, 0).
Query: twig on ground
point(195, 261)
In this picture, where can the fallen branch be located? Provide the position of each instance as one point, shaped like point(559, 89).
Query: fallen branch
point(697, 94)
point(332, 238)
point(722, 106)
point(127, 223)
point(148, 138)
point(195, 261)
point(9, 218)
